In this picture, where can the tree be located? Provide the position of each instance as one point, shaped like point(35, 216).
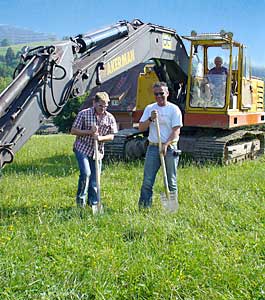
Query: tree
point(64, 121)
point(4, 83)
point(18, 55)
point(10, 56)
point(4, 43)
point(6, 71)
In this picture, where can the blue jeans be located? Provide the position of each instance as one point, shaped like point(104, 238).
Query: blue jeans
point(151, 167)
point(87, 183)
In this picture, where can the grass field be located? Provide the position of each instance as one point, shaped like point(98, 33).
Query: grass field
point(213, 248)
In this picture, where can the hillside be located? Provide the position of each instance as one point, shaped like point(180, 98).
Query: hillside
point(16, 35)
point(18, 47)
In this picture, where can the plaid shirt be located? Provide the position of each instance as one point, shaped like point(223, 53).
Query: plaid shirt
point(84, 121)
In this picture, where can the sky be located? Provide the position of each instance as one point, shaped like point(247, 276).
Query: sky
point(245, 18)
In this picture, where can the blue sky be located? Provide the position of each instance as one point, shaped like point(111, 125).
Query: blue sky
point(246, 19)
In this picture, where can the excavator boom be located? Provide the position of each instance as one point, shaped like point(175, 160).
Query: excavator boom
point(49, 76)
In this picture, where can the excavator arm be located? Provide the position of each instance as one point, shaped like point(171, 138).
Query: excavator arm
point(49, 76)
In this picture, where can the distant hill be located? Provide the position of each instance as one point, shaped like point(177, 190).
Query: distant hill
point(16, 35)
point(259, 72)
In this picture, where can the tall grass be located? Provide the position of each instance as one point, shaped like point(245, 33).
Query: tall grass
point(213, 248)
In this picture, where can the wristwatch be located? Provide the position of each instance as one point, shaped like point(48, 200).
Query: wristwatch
point(150, 119)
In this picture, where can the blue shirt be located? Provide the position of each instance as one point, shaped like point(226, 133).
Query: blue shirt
point(219, 71)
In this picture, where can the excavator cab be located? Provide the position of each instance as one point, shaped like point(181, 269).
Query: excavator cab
point(221, 92)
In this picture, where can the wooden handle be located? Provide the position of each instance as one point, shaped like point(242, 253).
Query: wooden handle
point(97, 169)
point(162, 158)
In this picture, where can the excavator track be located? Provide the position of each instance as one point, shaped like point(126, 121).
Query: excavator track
point(224, 146)
point(128, 144)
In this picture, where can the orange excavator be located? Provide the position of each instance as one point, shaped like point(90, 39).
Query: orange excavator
point(219, 109)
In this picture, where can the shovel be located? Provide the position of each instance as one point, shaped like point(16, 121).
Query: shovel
point(168, 199)
point(99, 207)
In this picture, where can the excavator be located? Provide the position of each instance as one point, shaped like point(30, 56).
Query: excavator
point(218, 109)
point(48, 76)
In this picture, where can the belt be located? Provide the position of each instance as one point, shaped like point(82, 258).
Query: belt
point(156, 144)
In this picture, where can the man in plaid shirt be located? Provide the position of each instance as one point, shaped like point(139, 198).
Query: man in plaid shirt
point(90, 124)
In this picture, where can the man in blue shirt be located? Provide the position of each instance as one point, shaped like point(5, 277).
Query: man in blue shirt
point(218, 69)
point(217, 83)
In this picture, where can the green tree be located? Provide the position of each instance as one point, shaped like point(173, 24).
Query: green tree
point(18, 55)
point(6, 71)
point(10, 56)
point(4, 43)
point(66, 118)
point(4, 81)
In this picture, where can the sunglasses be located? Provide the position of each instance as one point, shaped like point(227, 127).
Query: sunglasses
point(159, 94)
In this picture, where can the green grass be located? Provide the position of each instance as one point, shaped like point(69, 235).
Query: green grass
point(18, 47)
point(213, 248)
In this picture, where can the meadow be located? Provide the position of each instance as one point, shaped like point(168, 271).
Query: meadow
point(212, 248)
point(17, 47)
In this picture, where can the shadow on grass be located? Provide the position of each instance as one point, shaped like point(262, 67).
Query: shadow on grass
point(62, 214)
point(57, 166)
point(8, 212)
point(65, 165)
point(132, 235)
point(185, 160)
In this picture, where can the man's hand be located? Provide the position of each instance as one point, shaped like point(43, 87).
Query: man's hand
point(94, 130)
point(104, 138)
point(143, 126)
point(154, 115)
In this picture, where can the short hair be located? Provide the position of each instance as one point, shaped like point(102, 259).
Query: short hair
point(102, 96)
point(219, 58)
point(160, 84)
